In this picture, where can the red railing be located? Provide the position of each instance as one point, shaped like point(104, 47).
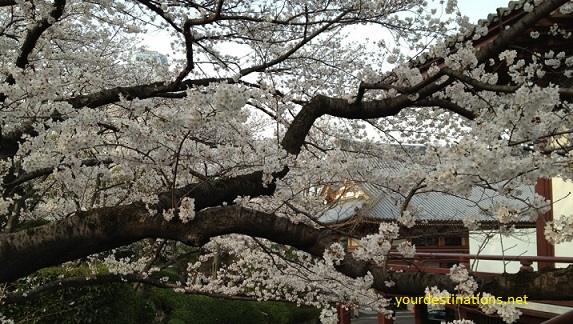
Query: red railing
point(565, 318)
point(419, 261)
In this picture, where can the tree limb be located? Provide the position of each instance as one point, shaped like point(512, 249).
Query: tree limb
point(9, 186)
point(447, 105)
point(220, 191)
point(102, 229)
point(6, 3)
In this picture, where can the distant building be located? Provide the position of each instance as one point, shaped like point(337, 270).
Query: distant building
point(359, 208)
point(149, 56)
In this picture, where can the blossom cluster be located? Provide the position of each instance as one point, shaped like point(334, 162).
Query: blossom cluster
point(467, 286)
point(278, 272)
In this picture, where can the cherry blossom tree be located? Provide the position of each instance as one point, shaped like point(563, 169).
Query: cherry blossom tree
point(226, 149)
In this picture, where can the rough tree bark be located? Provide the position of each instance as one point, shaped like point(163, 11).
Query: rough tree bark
point(97, 230)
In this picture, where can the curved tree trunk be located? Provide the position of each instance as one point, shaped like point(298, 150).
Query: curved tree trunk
point(99, 230)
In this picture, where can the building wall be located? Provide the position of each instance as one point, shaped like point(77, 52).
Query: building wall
point(523, 242)
point(562, 207)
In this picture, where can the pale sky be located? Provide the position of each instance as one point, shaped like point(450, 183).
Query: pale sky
point(479, 9)
point(475, 9)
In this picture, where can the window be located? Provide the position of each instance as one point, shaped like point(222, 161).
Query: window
point(425, 241)
point(452, 240)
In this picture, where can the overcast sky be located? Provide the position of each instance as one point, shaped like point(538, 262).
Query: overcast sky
point(475, 9)
point(479, 9)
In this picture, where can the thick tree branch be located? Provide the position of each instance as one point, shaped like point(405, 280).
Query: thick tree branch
point(208, 19)
point(143, 91)
point(9, 186)
point(482, 86)
point(534, 285)
point(323, 105)
point(479, 85)
point(220, 191)
point(99, 230)
point(107, 96)
point(206, 194)
point(6, 3)
point(401, 89)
